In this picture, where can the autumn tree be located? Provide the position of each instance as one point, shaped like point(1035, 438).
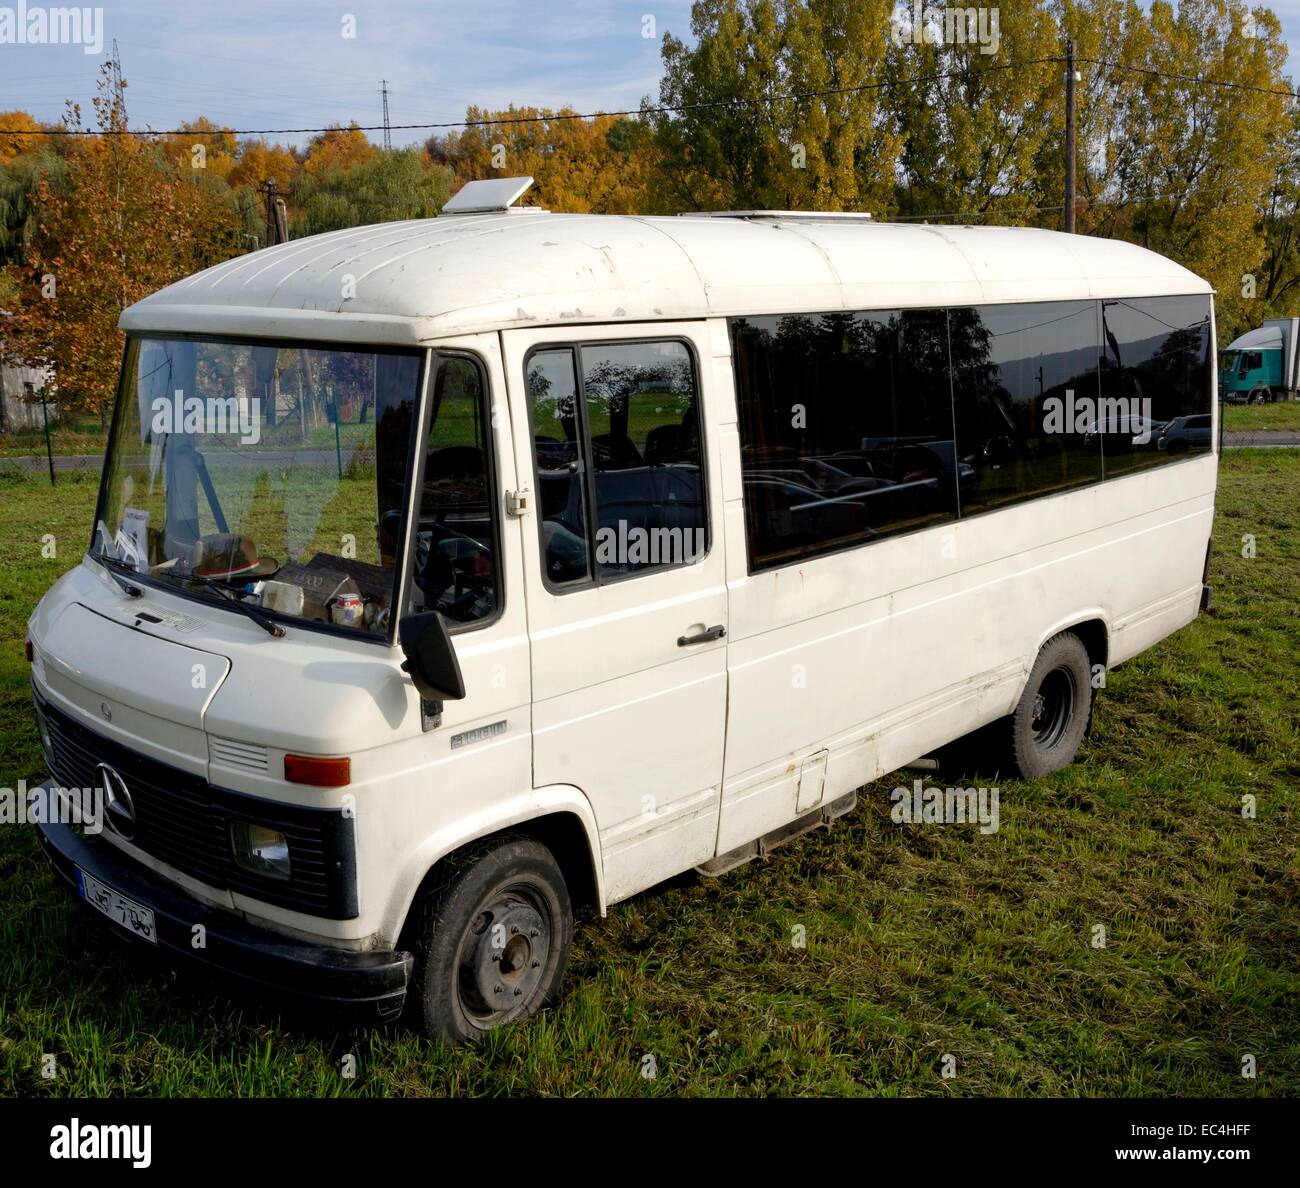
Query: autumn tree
point(338, 148)
point(19, 133)
point(579, 165)
point(259, 161)
point(201, 145)
point(1203, 159)
point(125, 224)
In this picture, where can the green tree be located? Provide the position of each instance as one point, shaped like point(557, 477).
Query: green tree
point(740, 142)
point(977, 115)
point(380, 188)
point(1279, 285)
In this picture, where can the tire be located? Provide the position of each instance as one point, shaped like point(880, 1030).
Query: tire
point(500, 903)
point(1260, 395)
point(1044, 736)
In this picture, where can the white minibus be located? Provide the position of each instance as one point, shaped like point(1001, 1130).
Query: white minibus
point(449, 575)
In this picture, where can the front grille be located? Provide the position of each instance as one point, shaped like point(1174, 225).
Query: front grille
point(184, 821)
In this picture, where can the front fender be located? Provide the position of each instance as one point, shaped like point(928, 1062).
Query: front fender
point(552, 800)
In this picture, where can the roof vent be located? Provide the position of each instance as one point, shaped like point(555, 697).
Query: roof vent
point(495, 195)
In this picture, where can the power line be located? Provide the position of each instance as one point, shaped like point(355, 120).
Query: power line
point(737, 101)
point(1199, 80)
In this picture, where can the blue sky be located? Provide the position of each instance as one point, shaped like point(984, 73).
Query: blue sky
point(276, 64)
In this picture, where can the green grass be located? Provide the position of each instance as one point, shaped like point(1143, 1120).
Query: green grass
point(1262, 417)
point(920, 942)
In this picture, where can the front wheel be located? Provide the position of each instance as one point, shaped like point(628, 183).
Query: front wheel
point(492, 939)
point(1051, 717)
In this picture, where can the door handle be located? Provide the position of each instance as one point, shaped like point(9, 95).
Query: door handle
point(716, 632)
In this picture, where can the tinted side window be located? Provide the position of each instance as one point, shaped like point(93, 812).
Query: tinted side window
point(1155, 370)
point(455, 542)
point(558, 453)
point(1020, 374)
point(845, 429)
point(643, 418)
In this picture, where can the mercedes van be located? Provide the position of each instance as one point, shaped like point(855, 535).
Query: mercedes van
point(449, 575)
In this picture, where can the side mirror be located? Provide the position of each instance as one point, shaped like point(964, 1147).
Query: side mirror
point(430, 658)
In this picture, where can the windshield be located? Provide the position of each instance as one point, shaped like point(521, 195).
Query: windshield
point(1229, 361)
point(270, 474)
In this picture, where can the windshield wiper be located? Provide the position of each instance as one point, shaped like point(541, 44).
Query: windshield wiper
point(268, 625)
point(113, 564)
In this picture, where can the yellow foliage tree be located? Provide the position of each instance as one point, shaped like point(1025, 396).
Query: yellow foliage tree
point(579, 165)
point(259, 162)
point(339, 148)
point(12, 145)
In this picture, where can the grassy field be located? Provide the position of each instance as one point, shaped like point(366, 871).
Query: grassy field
point(1262, 417)
point(919, 942)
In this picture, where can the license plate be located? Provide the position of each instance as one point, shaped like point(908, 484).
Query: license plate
point(134, 917)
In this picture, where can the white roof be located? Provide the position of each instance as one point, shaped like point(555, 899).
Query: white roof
point(409, 282)
point(1265, 338)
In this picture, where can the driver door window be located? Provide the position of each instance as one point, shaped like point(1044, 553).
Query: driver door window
point(456, 567)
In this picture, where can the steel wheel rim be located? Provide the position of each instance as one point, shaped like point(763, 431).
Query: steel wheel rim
point(1053, 708)
point(503, 956)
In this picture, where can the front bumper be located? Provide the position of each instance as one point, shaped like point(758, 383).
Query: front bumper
point(374, 981)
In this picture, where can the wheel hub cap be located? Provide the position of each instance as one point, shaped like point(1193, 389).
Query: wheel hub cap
point(505, 962)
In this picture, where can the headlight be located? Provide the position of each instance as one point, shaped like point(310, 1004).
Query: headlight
point(260, 850)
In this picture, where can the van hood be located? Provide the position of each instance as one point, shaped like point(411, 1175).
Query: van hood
point(102, 665)
point(172, 669)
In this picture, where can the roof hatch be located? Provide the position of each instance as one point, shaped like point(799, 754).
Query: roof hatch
point(495, 195)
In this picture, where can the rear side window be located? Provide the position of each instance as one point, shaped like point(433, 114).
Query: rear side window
point(1155, 368)
point(1021, 375)
point(616, 444)
point(846, 429)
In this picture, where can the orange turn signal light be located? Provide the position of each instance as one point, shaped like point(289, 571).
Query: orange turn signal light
point(318, 772)
point(29, 649)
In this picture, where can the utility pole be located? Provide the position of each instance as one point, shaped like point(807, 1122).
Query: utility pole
point(1070, 78)
point(388, 136)
point(277, 215)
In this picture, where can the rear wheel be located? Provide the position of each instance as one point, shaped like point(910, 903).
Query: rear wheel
point(1048, 724)
point(493, 938)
